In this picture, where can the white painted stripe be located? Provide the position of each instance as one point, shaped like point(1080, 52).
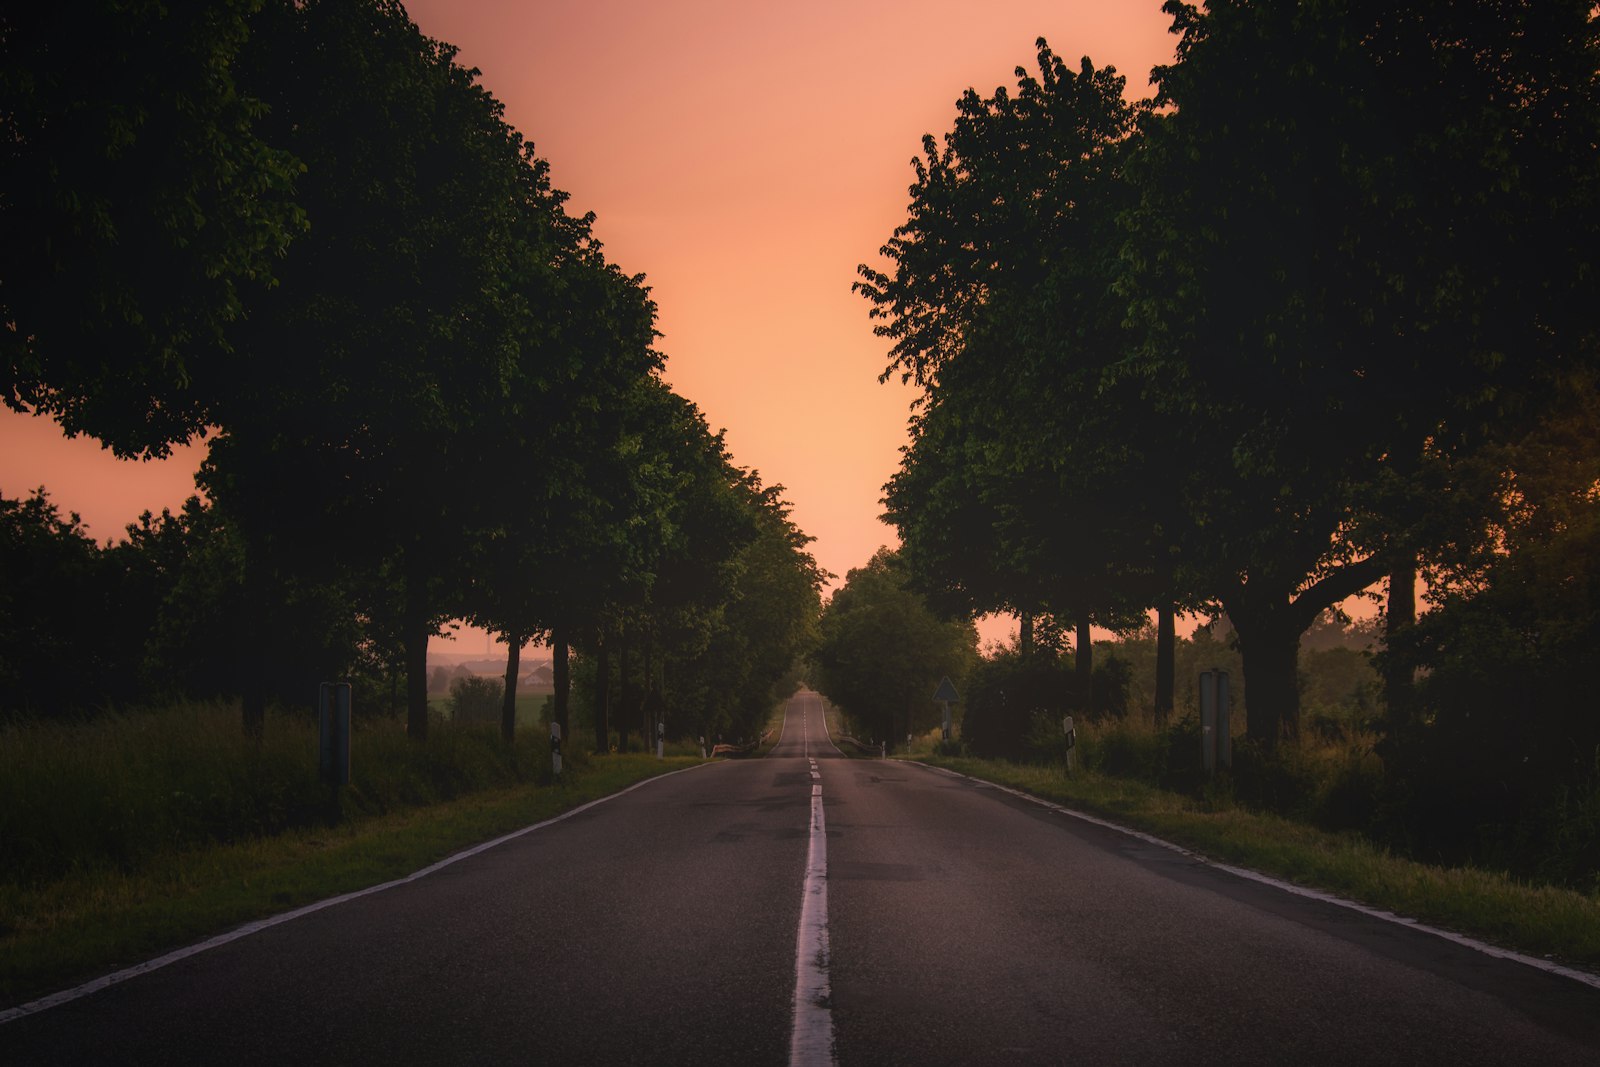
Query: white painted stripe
point(66, 996)
point(1535, 962)
point(811, 1040)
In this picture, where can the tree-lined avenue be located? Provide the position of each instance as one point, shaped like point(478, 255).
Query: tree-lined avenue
point(965, 925)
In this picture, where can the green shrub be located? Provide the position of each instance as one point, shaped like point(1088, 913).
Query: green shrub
point(475, 699)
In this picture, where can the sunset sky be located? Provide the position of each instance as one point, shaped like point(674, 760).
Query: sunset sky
point(745, 157)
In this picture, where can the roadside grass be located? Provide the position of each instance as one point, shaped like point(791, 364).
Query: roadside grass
point(837, 730)
point(774, 730)
point(136, 833)
point(1555, 923)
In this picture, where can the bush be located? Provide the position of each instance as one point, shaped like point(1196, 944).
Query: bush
point(475, 699)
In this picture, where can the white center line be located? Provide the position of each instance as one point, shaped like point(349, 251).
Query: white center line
point(811, 1041)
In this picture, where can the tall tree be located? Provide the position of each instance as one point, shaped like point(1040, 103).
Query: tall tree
point(391, 335)
point(1338, 268)
point(141, 207)
point(1015, 492)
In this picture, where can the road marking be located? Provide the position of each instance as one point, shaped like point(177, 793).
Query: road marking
point(1324, 897)
point(66, 996)
point(811, 1040)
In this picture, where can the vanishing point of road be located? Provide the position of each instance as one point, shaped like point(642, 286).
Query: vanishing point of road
point(808, 908)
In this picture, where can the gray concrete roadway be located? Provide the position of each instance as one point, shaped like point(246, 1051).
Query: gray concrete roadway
point(964, 926)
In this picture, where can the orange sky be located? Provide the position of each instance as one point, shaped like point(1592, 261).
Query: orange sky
point(745, 156)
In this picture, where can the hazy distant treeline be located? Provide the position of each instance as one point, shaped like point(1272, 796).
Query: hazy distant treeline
point(304, 231)
point(1319, 316)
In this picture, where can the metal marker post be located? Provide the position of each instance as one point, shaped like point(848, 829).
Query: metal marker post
point(1208, 721)
point(333, 715)
point(1224, 733)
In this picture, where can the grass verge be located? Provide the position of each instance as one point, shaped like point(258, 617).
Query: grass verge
point(97, 920)
point(1558, 924)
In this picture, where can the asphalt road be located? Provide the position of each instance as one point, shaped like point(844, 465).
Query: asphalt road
point(963, 925)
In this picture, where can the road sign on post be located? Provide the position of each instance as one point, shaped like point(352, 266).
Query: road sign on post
point(333, 716)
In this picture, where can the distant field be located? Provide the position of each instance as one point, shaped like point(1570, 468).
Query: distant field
point(530, 703)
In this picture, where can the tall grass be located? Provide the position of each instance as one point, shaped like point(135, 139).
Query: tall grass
point(1539, 919)
point(118, 789)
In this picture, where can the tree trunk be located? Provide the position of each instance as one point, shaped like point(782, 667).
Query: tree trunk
point(646, 705)
point(1400, 614)
point(1269, 645)
point(416, 641)
point(1025, 635)
point(1166, 660)
point(1084, 671)
point(624, 691)
point(508, 706)
point(602, 695)
point(563, 680)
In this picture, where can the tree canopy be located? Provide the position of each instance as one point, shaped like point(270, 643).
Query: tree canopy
point(1250, 337)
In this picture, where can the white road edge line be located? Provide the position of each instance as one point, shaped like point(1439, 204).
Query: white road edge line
point(811, 1040)
point(825, 731)
point(1298, 890)
point(66, 996)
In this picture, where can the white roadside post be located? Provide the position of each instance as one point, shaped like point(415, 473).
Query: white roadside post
point(1071, 733)
point(661, 740)
point(702, 747)
point(555, 749)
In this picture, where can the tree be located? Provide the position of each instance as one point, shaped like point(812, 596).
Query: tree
point(1015, 491)
point(1336, 269)
point(763, 627)
point(881, 651)
point(553, 527)
point(52, 606)
point(392, 333)
point(142, 208)
point(1493, 758)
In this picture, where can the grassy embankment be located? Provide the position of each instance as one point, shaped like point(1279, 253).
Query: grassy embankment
point(136, 833)
point(1546, 921)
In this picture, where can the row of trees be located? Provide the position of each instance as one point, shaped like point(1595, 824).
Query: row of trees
point(1317, 319)
point(304, 230)
point(1255, 345)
